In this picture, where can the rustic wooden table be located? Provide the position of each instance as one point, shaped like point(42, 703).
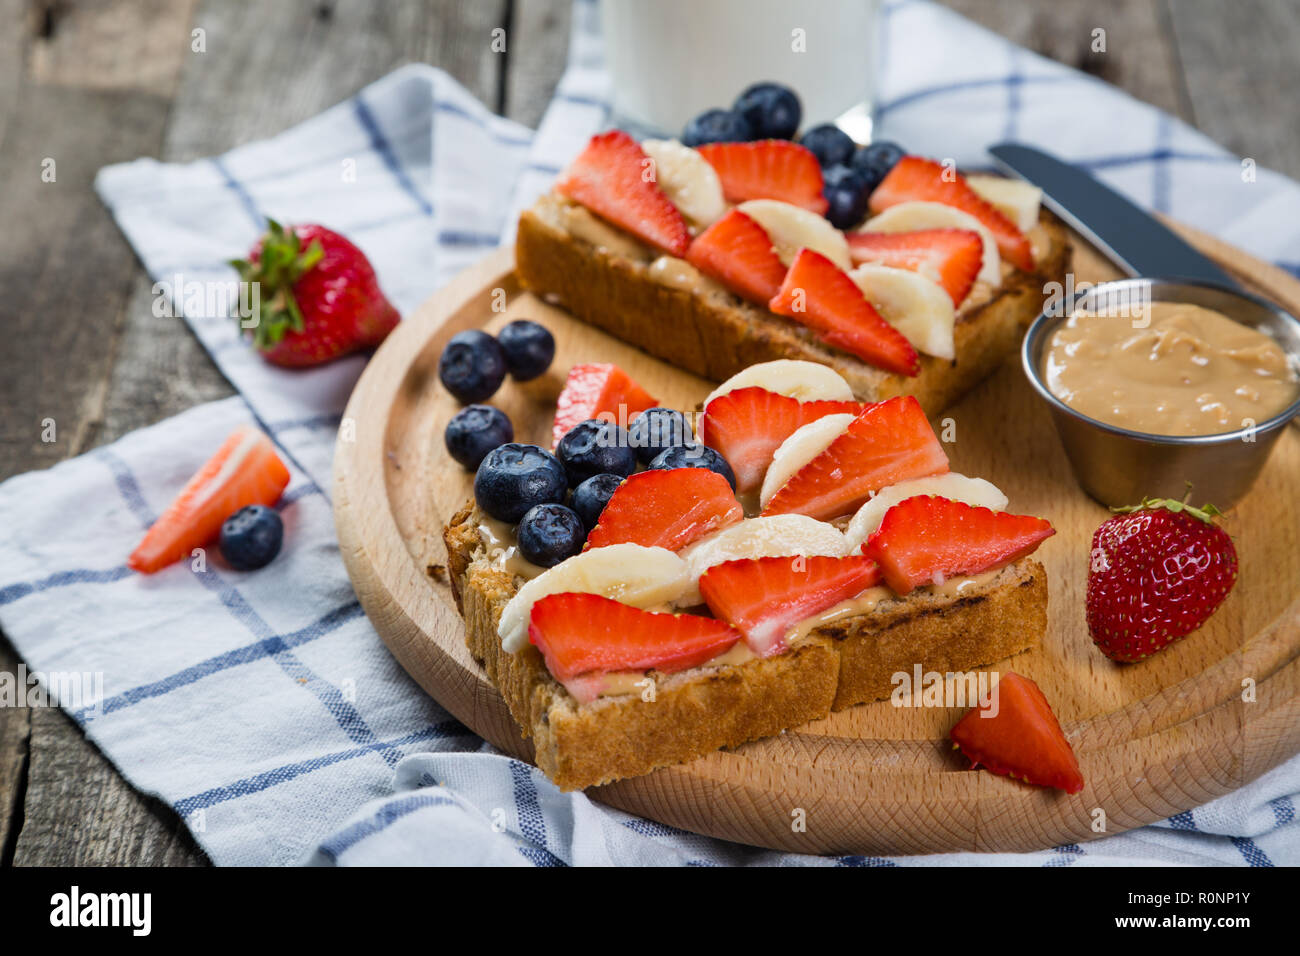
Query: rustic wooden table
point(90, 83)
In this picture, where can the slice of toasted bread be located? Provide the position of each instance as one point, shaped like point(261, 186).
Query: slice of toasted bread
point(659, 305)
point(698, 711)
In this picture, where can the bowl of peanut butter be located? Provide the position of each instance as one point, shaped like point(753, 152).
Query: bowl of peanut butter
point(1155, 384)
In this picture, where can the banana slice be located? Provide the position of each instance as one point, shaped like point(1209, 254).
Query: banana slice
point(911, 216)
point(1014, 198)
point(803, 446)
point(630, 573)
point(769, 537)
point(688, 180)
point(914, 305)
point(806, 381)
point(791, 229)
point(973, 491)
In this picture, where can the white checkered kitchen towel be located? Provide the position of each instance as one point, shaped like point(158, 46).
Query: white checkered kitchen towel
point(262, 706)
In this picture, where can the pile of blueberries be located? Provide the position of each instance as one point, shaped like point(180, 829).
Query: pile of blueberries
point(773, 111)
point(528, 486)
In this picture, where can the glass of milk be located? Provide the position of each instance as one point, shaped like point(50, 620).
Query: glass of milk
point(671, 60)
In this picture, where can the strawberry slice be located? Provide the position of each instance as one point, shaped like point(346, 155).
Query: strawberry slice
point(1020, 738)
point(738, 252)
point(764, 597)
point(768, 169)
point(598, 390)
point(747, 425)
point(666, 508)
point(916, 179)
point(589, 633)
point(888, 442)
point(820, 295)
point(929, 538)
point(244, 471)
point(609, 178)
point(951, 257)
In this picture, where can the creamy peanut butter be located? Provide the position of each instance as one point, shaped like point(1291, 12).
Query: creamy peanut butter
point(499, 542)
point(1186, 370)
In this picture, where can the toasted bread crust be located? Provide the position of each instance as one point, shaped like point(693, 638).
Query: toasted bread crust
point(701, 710)
point(709, 331)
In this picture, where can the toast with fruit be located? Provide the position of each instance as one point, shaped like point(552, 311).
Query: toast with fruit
point(898, 272)
point(705, 586)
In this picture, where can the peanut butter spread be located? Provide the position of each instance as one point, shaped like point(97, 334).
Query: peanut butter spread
point(1170, 369)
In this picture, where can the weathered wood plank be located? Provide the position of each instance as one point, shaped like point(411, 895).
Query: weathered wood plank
point(535, 57)
point(1241, 68)
point(1139, 58)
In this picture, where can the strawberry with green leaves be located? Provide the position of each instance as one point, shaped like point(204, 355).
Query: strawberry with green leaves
point(1158, 570)
point(318, 296)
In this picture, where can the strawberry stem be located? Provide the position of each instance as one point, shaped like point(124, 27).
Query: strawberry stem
point(281, 262)
point(1207, 512)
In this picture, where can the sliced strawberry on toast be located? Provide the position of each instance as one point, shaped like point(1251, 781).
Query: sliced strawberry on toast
point(596, 390)
point(768, 169)
point(917, 179)
point(820, 295)
point(764, 598)
point(244, 471)
point(738, 252)
point(589, 633)
point(888, 442)
point(666, 508)
point(747, 425)
point(1021, 738)
point(928, 538)
point(950, 257)
point(609, 178)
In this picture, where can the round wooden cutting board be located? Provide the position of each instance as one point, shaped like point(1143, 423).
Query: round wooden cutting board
point(1156, 738)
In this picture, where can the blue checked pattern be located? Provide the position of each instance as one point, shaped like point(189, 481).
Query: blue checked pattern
point(262, 706)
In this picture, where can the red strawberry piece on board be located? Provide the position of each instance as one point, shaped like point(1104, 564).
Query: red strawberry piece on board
point(588, 633)
point(929, 539)
point(951, 257)
point(598, 390)
point(747, 425)
point(820, 295)
point(738, 252)
point(318, 298)
point(1017, 735)
point(666, 508)
point(1158, 571)
point(917, 179)
point(888, 442)
point(244, 471)
point(764, 598)
point(768, 169)
point(614, 178)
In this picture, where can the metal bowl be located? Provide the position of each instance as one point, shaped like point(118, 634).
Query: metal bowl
point(1118, 466)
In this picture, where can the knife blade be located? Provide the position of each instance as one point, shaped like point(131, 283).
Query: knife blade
point(1126, 234)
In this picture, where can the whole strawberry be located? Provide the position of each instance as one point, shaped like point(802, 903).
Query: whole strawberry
point(318, 298)
point(1158, 571)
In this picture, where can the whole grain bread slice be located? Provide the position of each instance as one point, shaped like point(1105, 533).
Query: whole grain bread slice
point(620, 287)
point(695, 712)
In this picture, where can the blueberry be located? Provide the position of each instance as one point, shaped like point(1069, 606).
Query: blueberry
point(717, 126)
point(772, 110)
point(595, 447)
point(472, 366)
point(873, 162)
point(474, 431)
point(830, 144)
point(656, 429)
point(847, 193)
point(550, 533)
point(528, 348)
point(695, 455)
point(514, 477)
point(590, 497)
point(251, 537)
